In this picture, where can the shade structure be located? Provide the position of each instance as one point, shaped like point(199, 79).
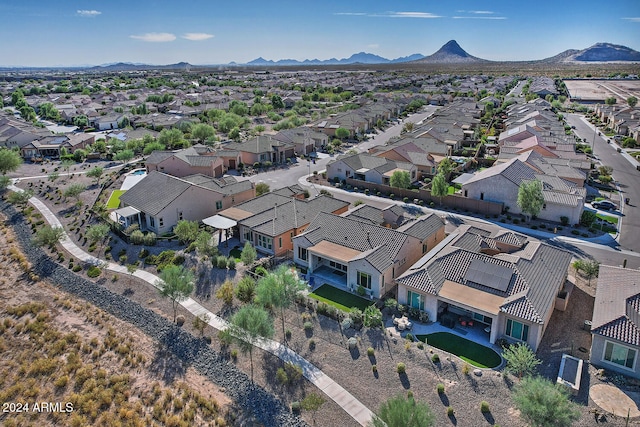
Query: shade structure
point(218, 221)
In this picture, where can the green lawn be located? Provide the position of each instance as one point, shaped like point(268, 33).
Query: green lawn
point(114, 199)
point(339, 299)
point(469, 351)
point(610, 219)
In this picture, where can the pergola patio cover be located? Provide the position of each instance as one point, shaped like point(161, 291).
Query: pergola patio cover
point(218, 221)
point(127, 211)
point(334, 251)
point(470, 297)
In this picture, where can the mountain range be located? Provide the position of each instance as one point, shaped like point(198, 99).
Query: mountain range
point(452, 53)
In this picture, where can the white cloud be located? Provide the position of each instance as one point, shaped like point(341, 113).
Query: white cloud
point(632, 19)
point(155, 37)
point(373, 46)
point(88, 13)
point(477, 14)
point(421, 15)
point(197, 36)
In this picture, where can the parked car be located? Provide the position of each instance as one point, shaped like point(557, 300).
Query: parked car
point(605, 205)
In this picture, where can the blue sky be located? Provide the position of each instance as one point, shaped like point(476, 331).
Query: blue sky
point(69, 32)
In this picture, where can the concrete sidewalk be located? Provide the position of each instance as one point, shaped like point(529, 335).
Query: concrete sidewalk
point(333, 390)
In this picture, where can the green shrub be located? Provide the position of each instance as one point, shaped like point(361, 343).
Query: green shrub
point(221, 261)
point(450, 411)
point(440, 388)
point(76, 268)
point(370, 352)
point(143, 253)
point(93, 271)
point(261, 271)
point(295, 407)
point(374, 368)
point(308, 326)
point(575, 232)
point(484, 407)
point(149, 239)
point(435, 358)
point(231, 263)
point(136, 238)
point(401, 368)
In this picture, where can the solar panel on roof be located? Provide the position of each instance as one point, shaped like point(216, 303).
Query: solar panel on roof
point(487, 274)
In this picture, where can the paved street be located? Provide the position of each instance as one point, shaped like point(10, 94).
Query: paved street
point(624, 172)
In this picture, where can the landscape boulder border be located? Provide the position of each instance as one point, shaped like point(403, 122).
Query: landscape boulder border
point(267, 408)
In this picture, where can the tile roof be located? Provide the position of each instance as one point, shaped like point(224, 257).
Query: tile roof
point(617, 305)
point(380, 244)
point(531, 290)
point(156, 190)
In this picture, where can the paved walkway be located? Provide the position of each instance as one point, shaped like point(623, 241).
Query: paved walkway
point(333, 390)
point(615, 401)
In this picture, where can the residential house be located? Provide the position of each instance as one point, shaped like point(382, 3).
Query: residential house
point(304, 139)
point(271, 222)
point(262, 149)
point(366, 167)
point(491, 276)
point(161, 200)
point(352, 253)
point(615, 326)
point(501, 183)
point(189, 161)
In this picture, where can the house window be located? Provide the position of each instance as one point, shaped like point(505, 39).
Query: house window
point(544, 206)
point(337, 266)
point(424, 248)
point(517, 330)
point(364, 280)
point(302, 254)
point(248, 235)
point(619, 354)
point(152, 222)
point(415, 300)
point(481, 196)
point(180, 217)
point(219, 205)
point(161, 221)
point(279, 242)
point(265, 242)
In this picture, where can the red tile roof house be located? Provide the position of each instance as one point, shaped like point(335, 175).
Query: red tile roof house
point(615, 326)
point(494, 276)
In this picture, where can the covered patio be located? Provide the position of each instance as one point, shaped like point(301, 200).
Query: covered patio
point(126, 216)
point(221, 223)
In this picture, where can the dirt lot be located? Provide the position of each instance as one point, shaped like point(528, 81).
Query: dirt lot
point(598, 90)
point(42, 330)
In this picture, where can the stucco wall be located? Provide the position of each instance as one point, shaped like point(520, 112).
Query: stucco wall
point(597, 355)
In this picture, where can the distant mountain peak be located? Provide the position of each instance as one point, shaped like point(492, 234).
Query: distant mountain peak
point(599, 52)
point(450, 53)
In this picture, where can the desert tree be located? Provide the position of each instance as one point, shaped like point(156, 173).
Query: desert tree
point(186, 231)
point(96, 173)
point(521, 360)
point(48, 236)
point(544, 404)
point(262, 188)
point(439, 186)
point(400, 179)
point(97, 233)
point(530, 197)
point(74, 190)
point(250, 323)
point(278, 289)
point(20, 198)
point(10, 160)
point(176, 283)
point(312, 402)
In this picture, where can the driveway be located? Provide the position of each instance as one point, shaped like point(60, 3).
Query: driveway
point(625, 175)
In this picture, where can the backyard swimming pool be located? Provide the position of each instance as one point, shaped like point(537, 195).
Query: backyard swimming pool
point(139, 172)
